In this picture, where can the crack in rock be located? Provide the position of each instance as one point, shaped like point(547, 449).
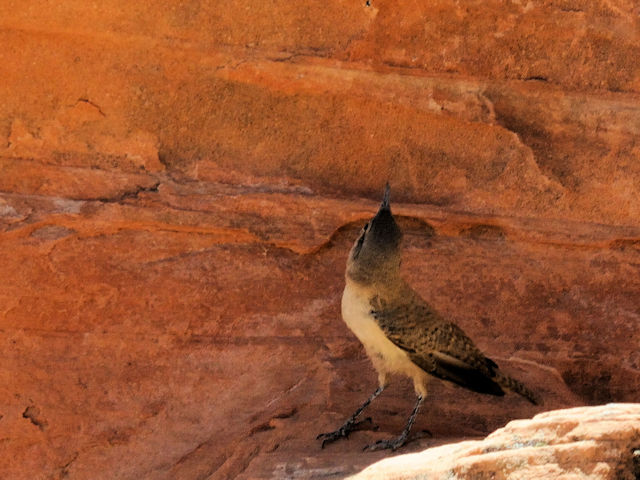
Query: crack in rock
point(64, 469)
point(94, 105)
point(131, 194)
point(33, 414)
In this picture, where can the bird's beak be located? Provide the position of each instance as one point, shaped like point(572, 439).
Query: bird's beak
point(385, 200)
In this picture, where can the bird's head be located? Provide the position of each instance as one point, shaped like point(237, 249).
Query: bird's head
point(375, 255)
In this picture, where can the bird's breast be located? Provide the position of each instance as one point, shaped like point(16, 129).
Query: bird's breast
point(356, 313)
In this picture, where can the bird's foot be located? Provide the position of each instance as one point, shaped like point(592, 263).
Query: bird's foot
point(395, 443)
point(392, 444)
point(343, 432)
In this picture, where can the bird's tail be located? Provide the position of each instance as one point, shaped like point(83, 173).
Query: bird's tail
point(514, 385)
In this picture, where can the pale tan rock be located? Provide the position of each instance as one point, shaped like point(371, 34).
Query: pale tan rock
point(596, 443)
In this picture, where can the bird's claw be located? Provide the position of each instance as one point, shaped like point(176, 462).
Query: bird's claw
point(342, 432)
point(331, 437)
point(392, 444)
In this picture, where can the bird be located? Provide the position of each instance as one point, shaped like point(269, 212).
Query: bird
point(402, 334)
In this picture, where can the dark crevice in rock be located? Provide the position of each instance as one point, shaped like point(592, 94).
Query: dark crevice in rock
point(625, 244)
point(263, 427)
point(537, 78)
point(484, 232)
point(287, 414)
point(94, 105)
point(270, 424)
point(131, 194)
point(32, 413)
point(64, 469)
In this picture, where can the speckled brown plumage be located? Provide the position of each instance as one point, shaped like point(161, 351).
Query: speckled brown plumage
point(437, 346)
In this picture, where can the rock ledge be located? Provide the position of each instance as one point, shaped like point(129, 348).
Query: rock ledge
point(600, 442)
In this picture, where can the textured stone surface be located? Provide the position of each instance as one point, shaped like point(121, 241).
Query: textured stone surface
point(180, 184)
point(579, 443)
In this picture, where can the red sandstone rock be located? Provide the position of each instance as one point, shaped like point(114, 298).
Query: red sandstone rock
point(178, 196)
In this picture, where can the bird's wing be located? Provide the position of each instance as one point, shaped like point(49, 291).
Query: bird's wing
point(439, 347)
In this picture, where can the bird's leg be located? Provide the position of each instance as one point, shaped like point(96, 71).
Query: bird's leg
point(350, 425)
point(397, 442)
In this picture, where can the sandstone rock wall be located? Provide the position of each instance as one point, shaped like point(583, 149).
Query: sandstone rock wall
point(180, 183)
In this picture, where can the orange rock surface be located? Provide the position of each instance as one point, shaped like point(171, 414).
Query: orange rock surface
point(180, 184)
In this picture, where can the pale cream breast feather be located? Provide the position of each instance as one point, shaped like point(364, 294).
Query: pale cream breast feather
point(386, 357)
